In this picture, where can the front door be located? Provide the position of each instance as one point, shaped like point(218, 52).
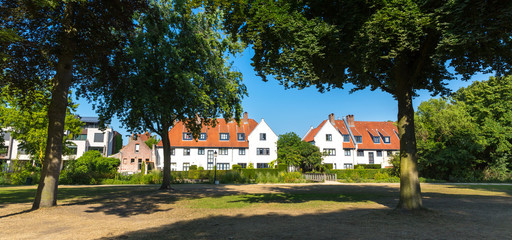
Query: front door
point(370, 158)
point(210, 160)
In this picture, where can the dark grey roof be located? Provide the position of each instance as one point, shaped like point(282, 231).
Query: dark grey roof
point(90, 119)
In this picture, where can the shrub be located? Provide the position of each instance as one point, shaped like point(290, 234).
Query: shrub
point(236, 167)
point(90, 168)
point(328, 166)
point(21, 172)
point(200, 168)
point(282, 167)
point(193, 167)
point(368, 166)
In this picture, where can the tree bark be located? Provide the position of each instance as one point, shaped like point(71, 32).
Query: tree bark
point(166, 182)
point(410, 192)
point(46, 195)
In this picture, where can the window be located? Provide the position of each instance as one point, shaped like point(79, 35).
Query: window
point(173, 167)
point(241, 151)
point(346, 138)
point(243, 165)
point(347, 152)
point(173, 151)
point(137, 148)
point(330, 151)
point(241, 136)
point(386, 139)
point(262, 151)
point(359, 139)
point(80, 137)
point(203, 136)
point(186, 166)
point(263, 136)
point(140, 164)
point(223, 151)
point(371, 160)
point(187, 136)
point(124, 161)
point(262, 165)
point(186, 151)
point(222, 166)
point(328, 137)
point(360, 153)
point(6, 136)
point(224, 136)
point(200, 151)
point(376, 139)
point(132, 160)
point(72, 149)
point(209, 159)
point(379, 153)
point(347, 166)
point(99, 149)
point(98, 137)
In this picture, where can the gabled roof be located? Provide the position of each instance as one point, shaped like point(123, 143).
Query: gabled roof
point(338, 125)
point(310, 137)
point(369, 129)
point(213, 134)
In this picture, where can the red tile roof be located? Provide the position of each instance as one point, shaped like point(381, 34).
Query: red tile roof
point(338, 124)
point(311, 135)
point(213, 135)
point(367, 129)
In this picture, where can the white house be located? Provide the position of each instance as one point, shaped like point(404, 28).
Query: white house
point(244, 144)
point(347, 143)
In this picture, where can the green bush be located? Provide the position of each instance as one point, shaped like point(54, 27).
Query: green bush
point(192, 167)
point(200, 168)
point(356, 175)
point(21, 171)
point(328, 166)
point(282, 167)
point(236, 167)
point(368, 166)
point(90, 168)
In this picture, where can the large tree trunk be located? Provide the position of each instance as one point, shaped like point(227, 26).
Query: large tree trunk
point(166, 182)
point(410, 192)
point(47, 190)
point(46, 195)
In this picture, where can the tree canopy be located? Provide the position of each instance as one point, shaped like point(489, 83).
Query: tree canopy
point(293, 151)
point(178, 71)
point(397, 46)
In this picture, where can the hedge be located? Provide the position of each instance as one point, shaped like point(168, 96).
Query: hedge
point(368, 166)
point(359, 173)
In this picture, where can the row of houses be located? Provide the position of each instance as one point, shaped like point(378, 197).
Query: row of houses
point(345, 142)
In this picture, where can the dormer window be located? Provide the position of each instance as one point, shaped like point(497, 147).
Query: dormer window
point(386, 139)
point(328, 137)
point(263, 136)
point(376, 139)
point(359, 139)
point(202, 137)
point(187, 136)
point(241, 136)
point(224, 136)
point(346, 138)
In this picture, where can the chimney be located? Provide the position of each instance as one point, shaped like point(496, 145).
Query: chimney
point(350, 120)
point(246, 118)
point(331, 118)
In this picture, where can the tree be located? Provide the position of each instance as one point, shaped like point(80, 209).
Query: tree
point(61, 44)
point(293, 151)
point(177, 72)
point(28, 123)
point(90, 168)
point(450, 143)
point(397, 46)
point(153, 140)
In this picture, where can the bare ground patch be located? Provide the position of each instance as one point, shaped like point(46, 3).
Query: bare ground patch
point(294, 211)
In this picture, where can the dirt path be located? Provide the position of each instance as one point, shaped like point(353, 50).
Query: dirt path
point(140, 212)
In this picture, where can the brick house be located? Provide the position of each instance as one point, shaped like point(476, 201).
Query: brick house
point(135, 155)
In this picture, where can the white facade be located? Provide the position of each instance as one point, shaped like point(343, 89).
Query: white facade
point(328, 139)
point(261, 139)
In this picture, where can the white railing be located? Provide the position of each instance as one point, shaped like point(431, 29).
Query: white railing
point(320, 177)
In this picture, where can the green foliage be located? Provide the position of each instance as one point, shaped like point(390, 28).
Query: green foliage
point(119, 143)
point(292, 151)
point(21, 171)
point(328, 166)
point(282, 167)
point(153, 177)
point(200, 168)
point(236, 167)
point(365, 175)
point(250, 166)
point(192, 167)
point(153, 140)
point(90, 168)
point(368, 166)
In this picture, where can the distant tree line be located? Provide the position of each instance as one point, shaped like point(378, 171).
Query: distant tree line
point(467, 136)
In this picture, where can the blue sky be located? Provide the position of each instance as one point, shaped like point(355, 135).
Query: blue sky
point(296, 110)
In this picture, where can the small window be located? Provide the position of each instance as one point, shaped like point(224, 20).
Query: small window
point(173, 167)
point(137, 148)
point(241, 136)
point(359, 139)
point(243, 165)
point(202, 137)
point(330, 151)
point(186, 151)
point(186, 166)
point(173, 151)
point(360, 153)
point(223, 151)
point(262, 165)
point(346, 138)
point(379, 153)
point(328, 137)
point(132, 160)
point(376, 139)
point(263, 136)
point(222, 166)
point(224, 136)
point(187, 136)
point(262, 151)
point(347, 166)
point(98, 137)
point(347, 152)
point(124, 161)
point(386, 139)
point(200, 151)
point(6, 136)
point(241, 151)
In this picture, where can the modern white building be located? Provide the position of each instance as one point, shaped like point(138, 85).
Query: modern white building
point(347, 143)
point(244, 144)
